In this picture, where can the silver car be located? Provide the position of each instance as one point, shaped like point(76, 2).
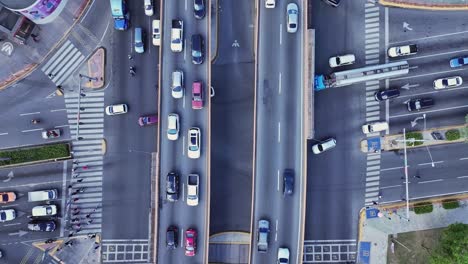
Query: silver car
point(173, 126)
point(193, 147)
point(177, 86)
point(324, 146)
point(293, 17)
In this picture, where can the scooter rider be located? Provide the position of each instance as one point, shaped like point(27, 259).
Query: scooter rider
point(35, 121)
point(132, 70)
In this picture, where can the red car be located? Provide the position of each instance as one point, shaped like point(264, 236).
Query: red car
point(197, 95)
point(148, 120)
point(190, 242)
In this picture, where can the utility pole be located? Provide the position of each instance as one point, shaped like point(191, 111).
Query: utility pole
point(406, 173)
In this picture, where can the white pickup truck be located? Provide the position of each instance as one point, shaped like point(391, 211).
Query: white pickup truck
point(262, 236)
point(192, 189)
point(402, 50)
point(44, 195)
point(177, 35)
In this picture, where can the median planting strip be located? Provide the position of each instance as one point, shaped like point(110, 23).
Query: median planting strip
point(34, 154)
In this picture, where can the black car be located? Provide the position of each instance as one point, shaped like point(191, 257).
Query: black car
point(199, 9)
point(172, 187)
point(334, 3)
point(172, 235)
point(288, 182)
point(46, 226)
point(420, 103)
point(383, 95)
point(197, 49)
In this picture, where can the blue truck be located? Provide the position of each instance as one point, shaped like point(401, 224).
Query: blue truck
point(120, 14)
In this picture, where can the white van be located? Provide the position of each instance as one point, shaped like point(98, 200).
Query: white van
point(156, 32)
point(43, 195)
point(374, 127)
point(44, 210)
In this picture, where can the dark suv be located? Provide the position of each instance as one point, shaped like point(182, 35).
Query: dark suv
point(288, 182)
point(172, 187)
point(420, 103)
point(172, 235)
point(197, 49)
point(199, 9)
point(383, 95)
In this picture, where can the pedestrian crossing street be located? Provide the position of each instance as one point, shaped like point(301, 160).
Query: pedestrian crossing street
point(125, 251)
point(330, 251)
point(63, 63)
point(86, 192)
point(372, 47)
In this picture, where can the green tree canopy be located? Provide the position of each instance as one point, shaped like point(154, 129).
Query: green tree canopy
point(453, 246)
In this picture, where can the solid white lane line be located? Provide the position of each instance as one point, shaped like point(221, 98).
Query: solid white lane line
point(183, 192)
point(183, 100)
point(278, 183)
point(433, 111)
point(430, 181)
point(392, 186)
point(430, 163)
point(33, 113)
point(464, 158)
point(58, 110)
point(394, 168)
point(276, 230)
point(279, 132)
point(429, 37)
point(435, 91)
point(32, 130)
point(183, 145)
point(185, 5)
point(281, 33)
point(2, 134)
point(61, 126)
point(460, 177)
point(279, 84)
point(185, 47)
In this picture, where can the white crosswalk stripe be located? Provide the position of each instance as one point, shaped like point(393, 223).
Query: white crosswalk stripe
point(63, 63)
point(330, 251)
point(87, 160)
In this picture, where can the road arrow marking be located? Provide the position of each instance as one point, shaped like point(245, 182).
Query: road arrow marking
point(19, 233)
point(406, 26)
point(407, 86)
point(405, 102)
point(235, 44)
point(9, 176)
point(415, 121)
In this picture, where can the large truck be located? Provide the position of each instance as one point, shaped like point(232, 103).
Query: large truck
point(192, 189)
point(43, 195)
point(375, 72)
point(263, 233)
point(120, 14)
point(177, 35)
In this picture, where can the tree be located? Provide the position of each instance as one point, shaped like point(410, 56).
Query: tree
point(453, 246)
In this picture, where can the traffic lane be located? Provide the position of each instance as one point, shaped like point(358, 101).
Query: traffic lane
point(430, 68)
point(423, 24)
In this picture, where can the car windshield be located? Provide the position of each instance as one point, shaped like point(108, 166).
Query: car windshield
point(193, 140)
point(49, 210)
point(292, 25)
point(4, 197)
point(176, 41)
point(177, 89)
point(172, 131)
point(2, 215)
point(320, 147)
point(196, 53)
point(198, 7)
point(461, 60)
point(292, 12)
point(139, 44)
point(148, 7)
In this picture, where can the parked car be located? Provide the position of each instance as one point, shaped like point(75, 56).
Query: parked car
point(193, 151)
point(7, 215)
point(458, 62)
point(172, 187)
point(420, 103)
point(177, 86)
point(197, 95)
point(288, 182)
point(342, 60)
point(44, 210)
point(292, 11)
point(51, 133)
point(199, 9)
point(42, 225)
point(198, 49)
point(7, 197)
point(190, 242)
point(334, 3)
point(448, 82)
point(404, 50)
point(148, 120)
point(116, 109)
point(283, 256)
point(324, 146)
point(270, 3)
point(156, 32)
point(374, 127)
point(383, 95)
point(172, 237)
point(173, 126)
point(149, 10)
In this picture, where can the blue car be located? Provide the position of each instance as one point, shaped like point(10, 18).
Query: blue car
point(458, 62)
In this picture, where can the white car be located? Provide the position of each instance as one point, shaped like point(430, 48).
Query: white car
point(7, 215)
point(324, 146)
point(193, 146)
point(116, 109)
point(404, 50)
point(374, 127)
point(293, 17)
point(156, 32)
point(448, 82)
point(44, 210)
point(177, 86)
point(149, 7)
point(337, 61)
point(173, 126)
point(283, 256)
point(270, 3)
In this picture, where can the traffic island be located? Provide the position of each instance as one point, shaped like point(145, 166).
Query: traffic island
point(96, 69)
point(34, 154)
point(416, 139)
point(452, 5)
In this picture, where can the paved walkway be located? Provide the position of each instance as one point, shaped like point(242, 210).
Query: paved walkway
point(427, 4)
point(393, 221)
point(81, 249)
point(25, 58)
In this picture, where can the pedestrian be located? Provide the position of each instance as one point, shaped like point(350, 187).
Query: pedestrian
point(85, 167)
point(417, 176)
point(81, 190)
point(69, 187)
point(80, 180)
point(88, 215)
point(70, 235)
point(96, 247)
point(374, 202)
point(76, 213)
point(75, 199)
point(90, 221)
point(130, 56)
point(76, 162)
point(75, 192)
point(51, 75)
point(402, 177)
point(93, 236)
point(403, 199)
point(73, 169)
point(76, 209)
point(75, 175)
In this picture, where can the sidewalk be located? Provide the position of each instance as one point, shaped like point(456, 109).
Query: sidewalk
point(427, 4)
point(80, 249)
point(25, 58)
point(374, 232)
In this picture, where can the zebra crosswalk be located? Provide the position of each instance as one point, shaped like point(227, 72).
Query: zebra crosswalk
point(330, 251)
point(87, 131)
point(63, 63)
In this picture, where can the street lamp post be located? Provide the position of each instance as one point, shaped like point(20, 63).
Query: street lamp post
point(406, 174)
point(428, 151)
point(80, 92)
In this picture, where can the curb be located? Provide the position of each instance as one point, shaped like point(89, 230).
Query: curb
point(431, 7)
point(104, 146)
point(97, 60)
point(213, 60)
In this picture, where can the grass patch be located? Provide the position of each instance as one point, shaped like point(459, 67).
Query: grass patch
point(450, 204)
point(452, 134)
point(423, 208)
point(34, 154)
point(416, 136)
